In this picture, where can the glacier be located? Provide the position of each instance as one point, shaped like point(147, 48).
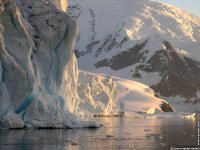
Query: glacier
point(40, 84)
point(104, 95)
point(38, 69)
point(98, 95)
point(149, 42)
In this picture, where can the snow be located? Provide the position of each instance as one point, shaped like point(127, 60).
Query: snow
point(38, 71)
point(179, 103)
point(40, 85)
point(108, 22)
point(61, 4)
point(161, 115)
point(137, 97)
point(140, 20)
point(149, 78)
point(119, 94)
point(125, 73)
point(98, 95)
point(104, 95)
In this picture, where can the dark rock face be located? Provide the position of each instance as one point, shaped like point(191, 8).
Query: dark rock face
point(180, 74)
point(125, 59)
point(165, 107)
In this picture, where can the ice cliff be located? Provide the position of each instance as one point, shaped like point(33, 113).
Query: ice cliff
point(98, 95)
point(103, 95)
point(40, 85)
point(38, 69)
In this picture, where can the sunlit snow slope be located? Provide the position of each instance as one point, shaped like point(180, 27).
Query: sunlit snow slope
point(139, 98)
point(153, 43)
point(104, 95)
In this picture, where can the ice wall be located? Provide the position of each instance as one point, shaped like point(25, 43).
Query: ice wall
point(98, 95)
point(38, 70)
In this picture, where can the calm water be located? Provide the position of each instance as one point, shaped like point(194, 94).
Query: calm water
point(117, 133)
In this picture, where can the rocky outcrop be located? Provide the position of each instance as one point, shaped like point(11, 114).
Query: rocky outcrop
point(174, 74)
point(125, 59)
point(132, 44)
point(38, 69)
point(180, 75)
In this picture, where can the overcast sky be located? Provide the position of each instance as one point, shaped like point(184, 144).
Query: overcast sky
point(193, 6)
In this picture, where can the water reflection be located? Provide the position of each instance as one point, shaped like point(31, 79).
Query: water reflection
point(117, 133)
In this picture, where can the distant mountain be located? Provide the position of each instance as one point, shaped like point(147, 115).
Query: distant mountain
point(150, 42)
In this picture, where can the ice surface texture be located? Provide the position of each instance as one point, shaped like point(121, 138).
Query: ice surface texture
point(38, 69)
point(98, 94)
point(153, 43)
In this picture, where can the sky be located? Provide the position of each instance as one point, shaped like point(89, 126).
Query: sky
point(192, 6)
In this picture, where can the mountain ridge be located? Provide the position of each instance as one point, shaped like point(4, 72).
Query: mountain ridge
point(118, 37)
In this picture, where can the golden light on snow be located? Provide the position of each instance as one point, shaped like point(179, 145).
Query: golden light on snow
point(64, 4)
point(61, 4)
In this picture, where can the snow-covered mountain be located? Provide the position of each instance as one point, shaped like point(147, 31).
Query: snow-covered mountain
point(40, 84)
point(150, 42)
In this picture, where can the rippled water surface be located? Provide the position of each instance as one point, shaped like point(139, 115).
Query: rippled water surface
point(116, 133)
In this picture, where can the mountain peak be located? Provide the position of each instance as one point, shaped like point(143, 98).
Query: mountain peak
point(143, 40)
